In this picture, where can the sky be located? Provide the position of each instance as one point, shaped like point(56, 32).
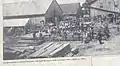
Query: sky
point(59, 1)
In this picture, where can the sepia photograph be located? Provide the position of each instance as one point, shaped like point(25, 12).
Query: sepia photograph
point(35, 29)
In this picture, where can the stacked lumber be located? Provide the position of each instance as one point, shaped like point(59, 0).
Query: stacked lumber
point(52, 49)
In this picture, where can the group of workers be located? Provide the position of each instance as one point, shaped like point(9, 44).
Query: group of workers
point(85, 32)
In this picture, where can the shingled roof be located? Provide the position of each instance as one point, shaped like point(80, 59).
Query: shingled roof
point(34, 8)
point(70, 8)
point(26, 8)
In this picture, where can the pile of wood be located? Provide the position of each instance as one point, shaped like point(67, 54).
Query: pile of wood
point(53, 49)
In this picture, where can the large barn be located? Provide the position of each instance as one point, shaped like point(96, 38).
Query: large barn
point(37, 12)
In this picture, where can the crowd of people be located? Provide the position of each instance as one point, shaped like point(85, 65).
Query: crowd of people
point(78, 29)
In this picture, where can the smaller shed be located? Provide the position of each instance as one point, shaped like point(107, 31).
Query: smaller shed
point(14, 26)
point(35, 23)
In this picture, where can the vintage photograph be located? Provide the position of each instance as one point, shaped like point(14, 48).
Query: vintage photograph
point(35, 29)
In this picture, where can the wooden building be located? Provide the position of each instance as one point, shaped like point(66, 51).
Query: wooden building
point(46, 11)
point(72, 9)
point(102, 7)
point(54, 13)
point(13, 26)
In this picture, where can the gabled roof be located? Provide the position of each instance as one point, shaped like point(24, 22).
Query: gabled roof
point(34, 8)
point(104, 10)
point(54, 10)
point(70, 8)
point(26, 8)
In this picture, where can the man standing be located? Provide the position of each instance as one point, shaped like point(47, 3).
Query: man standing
point(34, 35)
point(82, 27)
point(100, 37)
point(106, 30)
point(40, 36)
point(65, 35)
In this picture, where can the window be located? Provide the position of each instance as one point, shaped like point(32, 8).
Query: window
point(116, 3)
point(101, 5)
point(109, 3)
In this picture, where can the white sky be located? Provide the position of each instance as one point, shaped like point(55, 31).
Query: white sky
point(11, 1)
point(59, 1)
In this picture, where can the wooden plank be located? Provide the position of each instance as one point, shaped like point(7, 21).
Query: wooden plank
point(50, 49)
point(35, 54)
point(28, 42)
point(59, 49)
